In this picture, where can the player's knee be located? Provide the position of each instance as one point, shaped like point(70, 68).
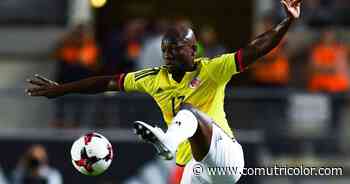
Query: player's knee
point(187, 120)
point(201, 117)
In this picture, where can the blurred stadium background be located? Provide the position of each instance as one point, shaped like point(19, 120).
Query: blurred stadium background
point(292, 110)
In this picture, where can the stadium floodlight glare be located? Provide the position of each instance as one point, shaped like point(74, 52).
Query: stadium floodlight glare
point(98, 3)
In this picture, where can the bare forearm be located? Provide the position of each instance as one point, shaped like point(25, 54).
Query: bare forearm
point(91, 85)
point(264, 43)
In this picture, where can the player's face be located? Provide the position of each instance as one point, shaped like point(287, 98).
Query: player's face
point(178, 56)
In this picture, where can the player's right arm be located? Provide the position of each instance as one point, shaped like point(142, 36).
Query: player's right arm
point(139, 81)
point(92, 85)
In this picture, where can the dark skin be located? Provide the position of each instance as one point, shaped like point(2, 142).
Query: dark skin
point(179, 59)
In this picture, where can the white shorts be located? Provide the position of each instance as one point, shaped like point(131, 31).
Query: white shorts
point(223, 164)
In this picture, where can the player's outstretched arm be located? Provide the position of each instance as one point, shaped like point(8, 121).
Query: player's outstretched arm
point(51, 89)
point(264, 43)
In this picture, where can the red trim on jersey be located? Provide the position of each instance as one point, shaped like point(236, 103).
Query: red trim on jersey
point(239, 60)
point(180, 165)
point(120, 81)
point(175, 175)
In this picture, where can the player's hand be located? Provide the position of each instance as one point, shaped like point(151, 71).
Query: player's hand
point(42, 87)
point(292, 8)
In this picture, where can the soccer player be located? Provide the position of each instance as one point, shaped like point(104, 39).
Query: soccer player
point(190, 94)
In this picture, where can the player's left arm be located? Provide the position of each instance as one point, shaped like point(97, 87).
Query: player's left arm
point(267, 41)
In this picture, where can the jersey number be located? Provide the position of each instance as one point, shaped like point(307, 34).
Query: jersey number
point(173, 102)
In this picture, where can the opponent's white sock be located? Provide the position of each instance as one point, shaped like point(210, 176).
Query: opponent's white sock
point(183, 126)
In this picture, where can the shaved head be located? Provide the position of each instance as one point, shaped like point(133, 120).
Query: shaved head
point(179, 34)
point(179, 47)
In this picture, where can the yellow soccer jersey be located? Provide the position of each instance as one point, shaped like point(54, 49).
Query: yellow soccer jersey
point(204, 88)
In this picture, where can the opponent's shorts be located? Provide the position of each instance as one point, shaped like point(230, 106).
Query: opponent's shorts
point(223, 164)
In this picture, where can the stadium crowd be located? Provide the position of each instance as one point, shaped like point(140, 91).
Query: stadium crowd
point(309, 59)
point(320, 13)
point(314, 57)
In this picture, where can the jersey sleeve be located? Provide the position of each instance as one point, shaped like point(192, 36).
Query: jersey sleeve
point(222, 68)
point(140, 81)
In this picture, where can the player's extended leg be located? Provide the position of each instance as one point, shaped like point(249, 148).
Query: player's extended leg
point(189, 124)
point(200, 141)
point(210, 146)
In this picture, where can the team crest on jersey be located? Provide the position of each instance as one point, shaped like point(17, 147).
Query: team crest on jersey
point(195, 83)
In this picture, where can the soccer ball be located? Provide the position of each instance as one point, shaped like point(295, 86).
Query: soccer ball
point(92, 154)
